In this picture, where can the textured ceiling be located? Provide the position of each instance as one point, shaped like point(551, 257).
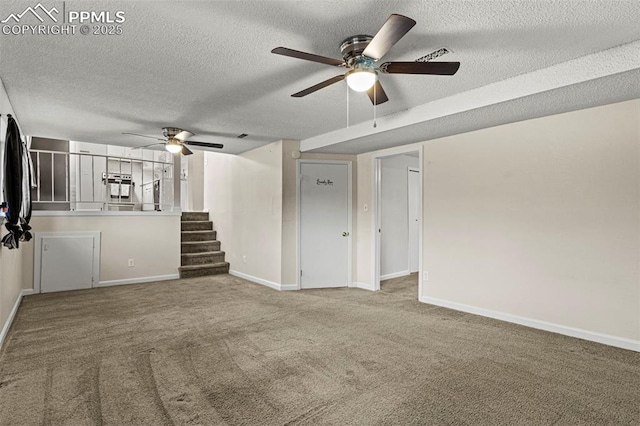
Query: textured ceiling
point(207, 67)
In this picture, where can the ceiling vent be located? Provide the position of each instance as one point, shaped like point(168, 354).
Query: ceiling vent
point(433, 55)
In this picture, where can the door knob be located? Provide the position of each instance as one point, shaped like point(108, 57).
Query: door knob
point(345, 234)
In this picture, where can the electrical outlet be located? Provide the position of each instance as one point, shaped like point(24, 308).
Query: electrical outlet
point(244, 259)
point(131, 263)
point(425, 275)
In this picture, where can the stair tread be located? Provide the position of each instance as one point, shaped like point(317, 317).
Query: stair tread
point(203, 253)
point(194, 216)
point(204, 266)
point(195, 223)
point(199, 230)
point(199, 242)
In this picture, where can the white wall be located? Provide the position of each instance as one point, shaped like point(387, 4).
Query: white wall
point(10, 260)
point(10, 279)
point(152, 240)
point(540, 219)
point(289, 267)
point(536, 220)
point(243, 194)
point(394, 215)
point(195, 181)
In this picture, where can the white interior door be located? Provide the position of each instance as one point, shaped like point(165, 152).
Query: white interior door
point(414, 218)
point(325, 211)
point(67, 262)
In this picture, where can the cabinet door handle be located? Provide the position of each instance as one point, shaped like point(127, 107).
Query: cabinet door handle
point(345, 234)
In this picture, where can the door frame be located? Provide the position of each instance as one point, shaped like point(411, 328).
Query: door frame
point(409, 171)
point(349, 214)
point(37, 255)
point(376, 222)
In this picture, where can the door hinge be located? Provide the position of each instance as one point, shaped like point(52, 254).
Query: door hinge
point(300, 272)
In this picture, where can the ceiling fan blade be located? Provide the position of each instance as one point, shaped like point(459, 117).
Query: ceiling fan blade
point(147, 146)
point(319, 86)
point(186, 151)
point(307, 56)
point(204, 144)
point(379, 96)
point(184, 135)
point(144, 136)
point(435, 68)
point(393, 30)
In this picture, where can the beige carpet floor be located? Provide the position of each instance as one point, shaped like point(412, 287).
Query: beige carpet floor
point(406, 286)
point(220, 350)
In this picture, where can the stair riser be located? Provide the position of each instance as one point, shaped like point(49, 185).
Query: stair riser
point(198, 236)
point(199, 260)
point(186, 216)
point(205, 272)
point(196, 226)
point(199, 248)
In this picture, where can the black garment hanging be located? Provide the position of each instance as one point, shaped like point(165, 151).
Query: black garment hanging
point(13, 174)
point(27, 184)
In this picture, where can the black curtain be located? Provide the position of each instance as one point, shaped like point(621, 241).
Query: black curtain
point(13, 175)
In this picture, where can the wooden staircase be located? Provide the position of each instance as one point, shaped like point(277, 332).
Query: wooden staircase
point(200, 253)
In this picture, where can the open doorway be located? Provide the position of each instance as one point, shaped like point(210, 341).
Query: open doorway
point(398, 222)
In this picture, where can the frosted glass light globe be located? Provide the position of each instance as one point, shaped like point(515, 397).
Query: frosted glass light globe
point(173, 146)
point(361, 80)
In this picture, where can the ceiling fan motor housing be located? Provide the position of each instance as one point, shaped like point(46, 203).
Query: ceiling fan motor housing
point(170, 132)
point(352, 48)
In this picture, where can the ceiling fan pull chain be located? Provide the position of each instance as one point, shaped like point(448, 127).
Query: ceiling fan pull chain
point(347, 105)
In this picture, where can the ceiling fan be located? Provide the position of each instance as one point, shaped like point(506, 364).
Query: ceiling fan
point(360, 54)
point(175, 140)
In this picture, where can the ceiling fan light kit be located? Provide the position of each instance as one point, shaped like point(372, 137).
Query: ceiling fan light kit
point(173, 145)
point(360, 54)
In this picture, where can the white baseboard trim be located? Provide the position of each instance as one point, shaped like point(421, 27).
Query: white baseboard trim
point(288, 287)
point(619, 342)
point(12, 315)
point(270, 284)
point(395, 275)
point(364, 286)
point(137, 280)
